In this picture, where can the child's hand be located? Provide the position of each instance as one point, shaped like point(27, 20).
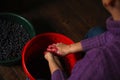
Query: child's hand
point(59, 48)
point(53, 62)
point(113, 7)
point(48, 56)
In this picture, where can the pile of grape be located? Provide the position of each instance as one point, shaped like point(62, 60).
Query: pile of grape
point(13, 37)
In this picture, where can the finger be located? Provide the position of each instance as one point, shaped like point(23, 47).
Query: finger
point(52, 50)
point(57, 44)
point(51, 46)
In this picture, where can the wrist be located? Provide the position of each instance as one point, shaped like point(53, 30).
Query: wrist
point(53, 66)
point(76, 47)
point(70, 48)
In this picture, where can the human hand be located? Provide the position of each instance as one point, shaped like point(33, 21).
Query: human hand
point(53, 61)
point(48, 56)
point(113, 7)
point(59, 48)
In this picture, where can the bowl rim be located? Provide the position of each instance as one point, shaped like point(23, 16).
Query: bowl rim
point(21, 18)
point(30, 42)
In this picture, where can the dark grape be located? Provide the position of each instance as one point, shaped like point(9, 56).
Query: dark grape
point(13, 37)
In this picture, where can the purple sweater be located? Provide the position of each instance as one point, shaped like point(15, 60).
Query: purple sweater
point(101, 61)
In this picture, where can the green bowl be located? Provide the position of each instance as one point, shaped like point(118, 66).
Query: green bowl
point(26, 24)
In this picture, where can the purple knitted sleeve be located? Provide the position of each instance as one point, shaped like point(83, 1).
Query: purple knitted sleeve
point(94, 42)
point(100, 40)
point(58, 75)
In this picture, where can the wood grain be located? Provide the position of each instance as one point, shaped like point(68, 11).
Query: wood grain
point(72, 18)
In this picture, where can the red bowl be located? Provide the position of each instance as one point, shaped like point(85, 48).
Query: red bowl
point(35, 47)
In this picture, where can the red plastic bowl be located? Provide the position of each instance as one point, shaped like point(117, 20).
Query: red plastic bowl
point(40, 43)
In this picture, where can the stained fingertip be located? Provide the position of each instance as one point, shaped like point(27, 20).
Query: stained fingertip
point(52, 46)
point(53, 50)
point(53, 43)
point(56, 48)
point(49, 46)
point(48, 49)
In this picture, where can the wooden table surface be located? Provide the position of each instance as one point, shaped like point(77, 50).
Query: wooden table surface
point(72, 18)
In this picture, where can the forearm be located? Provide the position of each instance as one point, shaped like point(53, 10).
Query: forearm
point(76, 47)
point(53, 66)
point(58, 62)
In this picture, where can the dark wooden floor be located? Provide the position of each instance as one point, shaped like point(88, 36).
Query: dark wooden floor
point(72, 18)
